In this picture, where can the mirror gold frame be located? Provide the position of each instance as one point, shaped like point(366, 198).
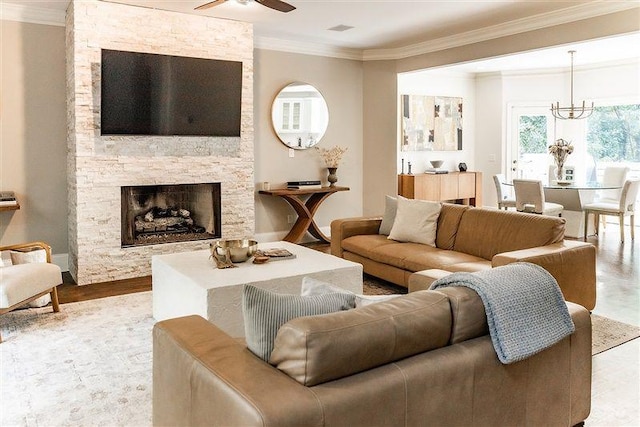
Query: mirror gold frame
point(299, 115)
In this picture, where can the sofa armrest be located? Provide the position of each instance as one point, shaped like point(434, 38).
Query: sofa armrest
point(347, 227)
point(202, 376)
point(30, 245)
point(571, 263)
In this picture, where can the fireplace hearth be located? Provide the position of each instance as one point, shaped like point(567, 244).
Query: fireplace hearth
point(158, 214)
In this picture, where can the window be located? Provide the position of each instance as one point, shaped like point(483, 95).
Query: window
point(613, 133)
point(291, 115)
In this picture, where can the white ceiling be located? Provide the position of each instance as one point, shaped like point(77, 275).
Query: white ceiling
point(383, 26)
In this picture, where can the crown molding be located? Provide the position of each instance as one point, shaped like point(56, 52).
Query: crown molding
point(32, 15)
point(531, 23)
point(37, 15)
point(306, 48)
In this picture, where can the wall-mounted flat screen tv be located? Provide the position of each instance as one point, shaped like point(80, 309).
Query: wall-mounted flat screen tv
point(148, 94)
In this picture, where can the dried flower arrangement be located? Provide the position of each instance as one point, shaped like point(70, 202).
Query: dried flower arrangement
point(332, 156)
point(560, 150)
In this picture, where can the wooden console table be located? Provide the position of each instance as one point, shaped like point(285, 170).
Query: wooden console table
point(305, 210)
point(465, 187)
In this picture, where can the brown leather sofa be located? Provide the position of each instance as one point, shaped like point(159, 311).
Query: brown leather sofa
point(420, 359)
point(471, 239)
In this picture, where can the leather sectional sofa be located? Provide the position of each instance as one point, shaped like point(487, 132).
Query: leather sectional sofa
point(471, 239)
point(420, 359)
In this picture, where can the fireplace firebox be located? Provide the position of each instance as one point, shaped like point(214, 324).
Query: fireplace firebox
point(157, 214)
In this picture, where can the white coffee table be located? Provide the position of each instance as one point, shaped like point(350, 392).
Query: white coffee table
point(189, 283)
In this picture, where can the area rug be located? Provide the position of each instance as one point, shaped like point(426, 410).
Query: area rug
point(91, 363)
point(88, 365)
point(608, 333)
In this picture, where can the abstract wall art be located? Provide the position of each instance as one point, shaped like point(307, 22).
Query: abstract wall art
point(431, 123)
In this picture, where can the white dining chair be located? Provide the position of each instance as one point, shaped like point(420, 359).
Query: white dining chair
point(622, 208)
point(530, 198)
point(503, 193)
point(614, 176)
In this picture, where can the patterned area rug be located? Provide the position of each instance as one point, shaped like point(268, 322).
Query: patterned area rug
point(91, 363)
point(607, 333)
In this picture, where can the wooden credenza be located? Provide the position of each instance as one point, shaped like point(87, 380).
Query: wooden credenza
point(459, 187)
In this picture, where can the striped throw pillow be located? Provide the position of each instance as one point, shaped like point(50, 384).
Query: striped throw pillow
point(265, 312)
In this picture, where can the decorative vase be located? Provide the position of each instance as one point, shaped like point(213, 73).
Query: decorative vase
point(333, 178)
point(559, 172)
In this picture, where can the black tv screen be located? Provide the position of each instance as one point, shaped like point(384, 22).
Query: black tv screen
point(148, 94)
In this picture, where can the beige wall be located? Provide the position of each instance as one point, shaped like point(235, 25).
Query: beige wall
point(380, 114)
point(33, 133)
point(340, 82)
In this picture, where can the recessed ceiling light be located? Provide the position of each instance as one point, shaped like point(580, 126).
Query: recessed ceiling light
point(341, 27)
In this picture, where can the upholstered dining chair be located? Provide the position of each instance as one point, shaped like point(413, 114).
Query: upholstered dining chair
point(27, 275)
point(622, 208)
point(530, 198)
point(613, 176)
point(504, 201)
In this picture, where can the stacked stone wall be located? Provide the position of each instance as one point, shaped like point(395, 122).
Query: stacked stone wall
point(99, 165)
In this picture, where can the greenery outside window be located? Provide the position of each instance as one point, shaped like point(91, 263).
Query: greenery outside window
point(613, 133)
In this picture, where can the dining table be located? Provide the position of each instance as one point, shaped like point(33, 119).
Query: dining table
point(573, 195)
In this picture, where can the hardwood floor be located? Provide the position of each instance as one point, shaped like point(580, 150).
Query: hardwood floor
point(70, 292)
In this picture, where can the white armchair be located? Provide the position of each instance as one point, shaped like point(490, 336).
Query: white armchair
point(23, 281)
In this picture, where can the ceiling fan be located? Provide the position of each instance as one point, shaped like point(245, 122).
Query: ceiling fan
point(272, 4)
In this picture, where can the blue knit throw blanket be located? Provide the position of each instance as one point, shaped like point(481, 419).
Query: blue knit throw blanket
point(526, 312)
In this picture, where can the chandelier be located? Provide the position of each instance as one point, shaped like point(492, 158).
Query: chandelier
point(572, 112)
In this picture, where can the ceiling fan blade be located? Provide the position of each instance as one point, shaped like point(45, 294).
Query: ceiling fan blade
point(277, 5)
point(210, 4)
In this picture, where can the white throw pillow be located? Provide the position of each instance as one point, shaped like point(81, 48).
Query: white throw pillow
point(5, 259)
point(312, 287)
point(390, 207)
point(364, 300)
point(416, 221)
point(26, 257)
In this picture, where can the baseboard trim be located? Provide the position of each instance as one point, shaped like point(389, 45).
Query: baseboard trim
point(61, 260)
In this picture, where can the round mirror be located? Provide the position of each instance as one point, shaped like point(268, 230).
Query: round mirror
point(300, 116)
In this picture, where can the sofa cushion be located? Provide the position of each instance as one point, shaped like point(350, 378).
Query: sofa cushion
point(503, 231)
point(316, 349)
point(448, 222)
point(390, 207)
point(265, 312)
point(416, 221)
point(367, 244)
point(446, 260)
point(22, 281)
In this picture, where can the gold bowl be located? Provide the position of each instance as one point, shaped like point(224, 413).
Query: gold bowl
point(239, 250)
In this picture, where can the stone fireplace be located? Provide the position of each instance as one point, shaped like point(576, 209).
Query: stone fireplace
point(157, 214)
point(100, 167)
